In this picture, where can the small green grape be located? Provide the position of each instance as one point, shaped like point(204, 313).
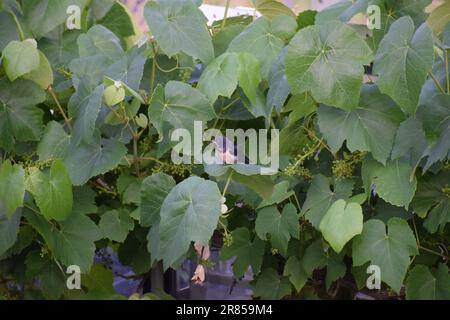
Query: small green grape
point(227, 239)
point(446, 190)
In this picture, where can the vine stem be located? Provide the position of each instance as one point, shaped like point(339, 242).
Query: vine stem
point(227, 183)
point(55, 98)
point(224, 21)
point(153, 76)
point(415, 231)
point(432, 252)
point(446, 68)
point(437, 83)
point(19, 27)
point(136, 155)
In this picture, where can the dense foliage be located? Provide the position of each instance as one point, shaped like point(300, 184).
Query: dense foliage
point(85, 123)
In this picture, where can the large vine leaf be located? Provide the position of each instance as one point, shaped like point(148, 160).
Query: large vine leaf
point(179, 26)
point(8, 29)
point(321, 195)
point(344, 10)
point(279, 89)
point(43, 75)
point(54, 142)
point(20, 119)
point(270, 286)
point(20, 58)
point(410, 141)
point(119, 20)
point(53, 192)
point(247, 252)
point(280, 227)
point(258, 39)
point(403, 61)
point(47, 272)
point(370, 127)
point(189, 213)
point(42, 16)
point(432, 200)
point(9, 227)
point(341, 223)
point(84, 106)
point(224, 73)
point(116, 224)
point(394, 182)
point(154, 190)
point(389, 251)
point(327, 60)
point(435, 116)
point(73, 242)
point(272, 8)
point(179, 105)
point(88, 160)
point(424, 284)
point(12, 188)
point(294, 270)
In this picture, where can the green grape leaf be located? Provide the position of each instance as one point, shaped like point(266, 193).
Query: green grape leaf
point(119, 20)
point(435, 116)
point(100, 41)
point(259, 40)
point(9, 227)
point(280, 227)
point(46, 271)
point(8, 29)
point(272, 8)
point(424, 284)
point(189, 213)
point(403, 61)
point(89, 160)
point(20, 119)
point(370, 127)
point(389, 251)
point(12, 188)
point(336, 269)
point(20, 58)
point(154, 190)
point(270, 286)
point(179, 26)
point(54, 142)
point(410, 141)
point(279, 89)
point(42, 16)
point(247, 252)
point(43, 75)
point(116, 224)
point(429, 192)
point(321, 195)
point(72, 243)
point(100, 284)
point(294, 270)
point(341, 223)
point(394, 183)
point(53, 192)
point(223, 74)
point(315, 257)
point(179, 105)
point(332, 49)
point(279, 194)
